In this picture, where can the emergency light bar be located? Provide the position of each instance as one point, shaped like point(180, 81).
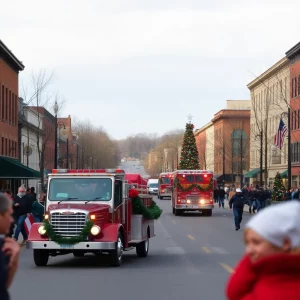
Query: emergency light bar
point(194, 172)
point(61, 171)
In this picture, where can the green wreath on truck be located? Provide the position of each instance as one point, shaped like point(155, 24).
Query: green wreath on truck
point(57, 238)
point(153, 212)
point(194, 185)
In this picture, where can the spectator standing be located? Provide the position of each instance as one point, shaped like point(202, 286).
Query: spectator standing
point(8, 193)
point(22, 208)
point(9, 248)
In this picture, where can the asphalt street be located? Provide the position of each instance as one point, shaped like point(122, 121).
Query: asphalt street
point(191, 257)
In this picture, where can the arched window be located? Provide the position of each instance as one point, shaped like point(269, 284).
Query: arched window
point(239, 142)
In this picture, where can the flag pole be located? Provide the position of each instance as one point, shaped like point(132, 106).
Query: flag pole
point(289, 151)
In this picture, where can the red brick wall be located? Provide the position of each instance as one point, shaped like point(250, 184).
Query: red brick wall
point(295, 109)
point(8, 110)
point(225, 122)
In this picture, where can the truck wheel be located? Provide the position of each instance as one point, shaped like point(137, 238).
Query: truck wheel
point(173, 211)
point(78, 254)
point(117, 254)
point(207, 212)
point(142, 248)
point(178, 212)
point(40, 257)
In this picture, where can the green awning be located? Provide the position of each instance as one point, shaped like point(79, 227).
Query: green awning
point(253, 173)
point(11, 168)
point(284, 174)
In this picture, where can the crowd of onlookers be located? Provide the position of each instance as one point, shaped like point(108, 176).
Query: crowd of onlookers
point(13, 212)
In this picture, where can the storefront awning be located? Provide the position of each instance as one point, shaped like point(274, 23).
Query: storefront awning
point(253, 173)
point(11, 168)
point(284, 174)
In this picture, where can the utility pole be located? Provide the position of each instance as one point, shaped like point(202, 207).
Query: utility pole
point(289, 151)
point(223, 164)
point(241, 145)
point(261, 159)
point(67, 153)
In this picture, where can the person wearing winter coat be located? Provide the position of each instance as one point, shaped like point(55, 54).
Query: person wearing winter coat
point(237, 202)
point(270, 268)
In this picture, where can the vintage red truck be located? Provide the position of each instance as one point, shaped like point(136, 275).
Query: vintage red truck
point(90, 211)
point(165, 182)
point(193, 191)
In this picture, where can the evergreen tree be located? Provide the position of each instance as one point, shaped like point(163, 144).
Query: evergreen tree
point(278, 190)
point(189, 159)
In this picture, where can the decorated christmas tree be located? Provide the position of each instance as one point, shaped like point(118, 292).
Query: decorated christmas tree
point(278, 190)
point(189, 159)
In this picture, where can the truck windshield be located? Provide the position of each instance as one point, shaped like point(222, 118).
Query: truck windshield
point(165, 180)
point(205, 179)
point(153, 185)
point(80, 189)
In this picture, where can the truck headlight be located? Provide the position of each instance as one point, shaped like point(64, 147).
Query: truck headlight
point(202, 201)
point(42, 230)
point(95, 230)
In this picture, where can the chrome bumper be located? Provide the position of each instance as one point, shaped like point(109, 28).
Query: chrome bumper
point(80, 246)
point(194, 207)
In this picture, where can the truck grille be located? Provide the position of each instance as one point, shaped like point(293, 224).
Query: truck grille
point(193, 199)
point(68, 225)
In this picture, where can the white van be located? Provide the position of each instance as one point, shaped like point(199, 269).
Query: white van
point(152, 186)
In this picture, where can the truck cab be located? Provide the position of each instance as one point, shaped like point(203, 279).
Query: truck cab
point(89, 211)
point(165, 182)
point(193, 191)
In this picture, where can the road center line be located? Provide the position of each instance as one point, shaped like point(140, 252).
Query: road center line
point(191, 237)
point(205, 249)
point(227, 268)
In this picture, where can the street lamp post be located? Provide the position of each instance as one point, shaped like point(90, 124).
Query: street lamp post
point(288, 114)
point(67, 153)
point(55, 135)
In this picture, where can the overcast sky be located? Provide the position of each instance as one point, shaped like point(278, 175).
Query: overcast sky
point(136, 66)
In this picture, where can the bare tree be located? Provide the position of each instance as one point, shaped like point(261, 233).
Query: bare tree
point(98, 150)
point(267, 107)
point(39, 98)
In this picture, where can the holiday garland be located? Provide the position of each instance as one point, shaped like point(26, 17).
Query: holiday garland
point(153, 212)
point(57, 238)
point(194, 185)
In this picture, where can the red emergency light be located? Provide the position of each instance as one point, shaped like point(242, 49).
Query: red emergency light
point(60, 171)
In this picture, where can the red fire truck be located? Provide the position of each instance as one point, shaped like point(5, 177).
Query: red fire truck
point(193, 190)
point(100, 198)
point(165, 182)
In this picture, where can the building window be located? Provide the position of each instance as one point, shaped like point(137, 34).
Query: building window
point(3, 104)
point(239, 141)
point(295, 86)
point(276, 156)
point(298, 85)
point(2, 146)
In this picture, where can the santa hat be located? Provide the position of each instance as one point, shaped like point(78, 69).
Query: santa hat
point(278, 222)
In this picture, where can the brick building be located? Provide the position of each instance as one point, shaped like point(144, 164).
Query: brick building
point(231, 144)
point(12, 172)
point(205, 145)
point(293, 56)
point(10, 67)
point(269, 99)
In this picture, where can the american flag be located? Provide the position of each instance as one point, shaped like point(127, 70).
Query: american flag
point(280, 135)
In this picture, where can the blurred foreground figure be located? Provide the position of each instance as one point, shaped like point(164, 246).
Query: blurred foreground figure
point(270, 268)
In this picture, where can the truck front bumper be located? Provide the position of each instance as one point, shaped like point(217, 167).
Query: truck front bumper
point(50, 245)
point(194, 206)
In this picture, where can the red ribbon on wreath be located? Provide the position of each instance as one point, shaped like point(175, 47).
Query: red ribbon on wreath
point(133, 193)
